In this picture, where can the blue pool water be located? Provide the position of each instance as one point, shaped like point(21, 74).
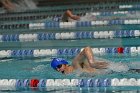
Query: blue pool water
point(82, 90)
point(40, 68)
point(28, 68)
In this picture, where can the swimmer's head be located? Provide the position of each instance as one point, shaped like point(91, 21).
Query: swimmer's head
point(56, 62)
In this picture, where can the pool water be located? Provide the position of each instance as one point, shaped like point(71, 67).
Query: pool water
point(40, 68)
point(80, 90)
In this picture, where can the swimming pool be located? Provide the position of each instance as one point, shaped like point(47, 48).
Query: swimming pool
point(27, 49)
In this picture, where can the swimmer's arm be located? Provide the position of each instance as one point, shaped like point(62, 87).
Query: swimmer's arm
point(85, 53)
point(69, 14)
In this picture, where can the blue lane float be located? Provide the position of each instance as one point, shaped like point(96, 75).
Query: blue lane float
point(84, 23)
point(69, 35)
point(51, 24)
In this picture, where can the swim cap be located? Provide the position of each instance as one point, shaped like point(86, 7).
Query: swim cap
point(57, 61)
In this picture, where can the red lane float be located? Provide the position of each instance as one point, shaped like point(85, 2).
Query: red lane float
point(34, 83)
point(120, 50)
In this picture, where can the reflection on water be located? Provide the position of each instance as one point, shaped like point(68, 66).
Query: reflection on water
point(78, 90)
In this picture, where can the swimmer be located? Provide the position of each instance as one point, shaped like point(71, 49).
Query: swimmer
point(18, 5)
point(8, 5)
point(85, 62)
point(68, 15)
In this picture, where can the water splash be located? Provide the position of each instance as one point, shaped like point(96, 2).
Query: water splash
point(39, 68)
point(113, 68)
point(134, 65)
point(87, 17)
point(118, 67)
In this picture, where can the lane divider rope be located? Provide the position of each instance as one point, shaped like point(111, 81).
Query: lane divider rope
point(18, 84)
point(69, 35)
point(134, 51)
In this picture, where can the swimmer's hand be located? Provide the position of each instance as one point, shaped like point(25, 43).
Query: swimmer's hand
point(100, 65)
